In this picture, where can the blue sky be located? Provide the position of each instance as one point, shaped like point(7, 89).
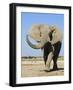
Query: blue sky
point(28, 19)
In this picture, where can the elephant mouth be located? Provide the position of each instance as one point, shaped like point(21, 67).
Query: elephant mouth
point(35, 46)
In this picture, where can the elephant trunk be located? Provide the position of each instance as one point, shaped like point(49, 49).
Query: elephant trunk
point(38, 46)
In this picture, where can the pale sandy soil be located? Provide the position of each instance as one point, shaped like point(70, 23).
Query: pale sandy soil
point(36, 68)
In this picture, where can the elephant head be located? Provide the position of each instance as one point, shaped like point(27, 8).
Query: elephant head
point(42, 34)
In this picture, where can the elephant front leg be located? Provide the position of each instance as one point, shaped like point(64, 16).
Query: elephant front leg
point(48, 55)
point(48, 61)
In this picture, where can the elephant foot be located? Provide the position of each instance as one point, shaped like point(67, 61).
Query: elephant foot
point(55, 67)
point(47, 69)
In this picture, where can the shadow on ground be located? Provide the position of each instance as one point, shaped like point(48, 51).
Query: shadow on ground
point(54, 70)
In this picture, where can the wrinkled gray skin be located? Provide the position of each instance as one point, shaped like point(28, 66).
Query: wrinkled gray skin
point(40, 33)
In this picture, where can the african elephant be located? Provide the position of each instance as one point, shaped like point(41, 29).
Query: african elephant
point(49, 38)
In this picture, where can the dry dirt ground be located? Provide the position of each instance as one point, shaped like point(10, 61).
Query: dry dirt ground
point(35, 68)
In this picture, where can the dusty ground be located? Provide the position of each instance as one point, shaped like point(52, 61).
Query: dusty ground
point(35, 67)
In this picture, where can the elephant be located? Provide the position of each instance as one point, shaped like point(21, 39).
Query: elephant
point(48, 38)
